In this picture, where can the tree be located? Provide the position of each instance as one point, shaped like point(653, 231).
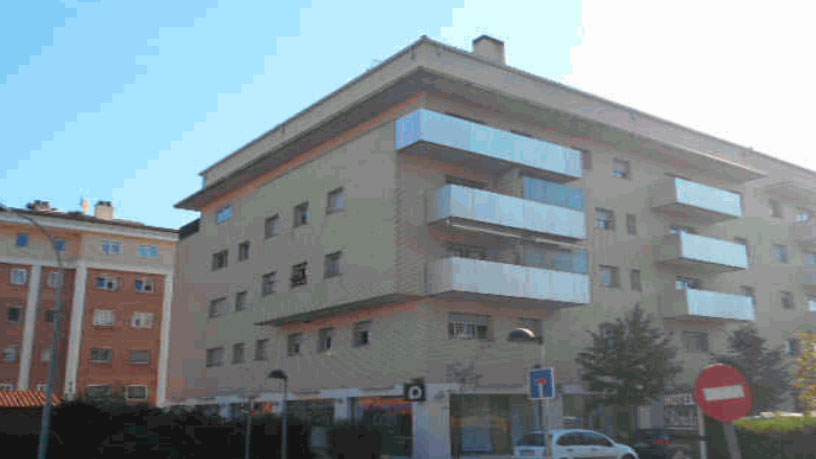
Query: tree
point(765, 369)
point(806, 375)
point(630, 362)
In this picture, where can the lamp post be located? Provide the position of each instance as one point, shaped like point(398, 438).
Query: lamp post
point(45, 424)
point(248, 439)
point(525, 335)
point(280, 374)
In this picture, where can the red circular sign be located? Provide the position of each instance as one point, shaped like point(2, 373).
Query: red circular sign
point(723, 393)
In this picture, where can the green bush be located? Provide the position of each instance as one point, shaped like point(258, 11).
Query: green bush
point(778, 425)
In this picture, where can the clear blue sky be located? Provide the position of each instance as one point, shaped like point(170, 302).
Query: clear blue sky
point(129, 101)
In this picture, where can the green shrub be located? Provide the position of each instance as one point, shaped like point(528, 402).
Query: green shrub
point(778, 425)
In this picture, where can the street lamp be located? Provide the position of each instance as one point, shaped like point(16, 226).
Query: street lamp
point(280, 374)
point(52, 365)
point(525, 335)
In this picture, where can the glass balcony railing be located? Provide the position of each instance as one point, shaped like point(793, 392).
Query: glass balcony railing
point(553, 193)
point(693, 199)
point(707, 253)
point(689, 303)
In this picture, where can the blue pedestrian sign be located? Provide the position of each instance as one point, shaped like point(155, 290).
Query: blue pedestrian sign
point(541, 383)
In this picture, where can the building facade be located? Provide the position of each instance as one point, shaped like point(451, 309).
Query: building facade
point(117, 289)
point(399, 229)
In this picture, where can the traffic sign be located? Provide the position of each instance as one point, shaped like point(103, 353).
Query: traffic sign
point(541, 383)
point(723, 393)
point(414, 391)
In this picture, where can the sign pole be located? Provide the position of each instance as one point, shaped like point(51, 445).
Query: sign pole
point(701, 430)
point(731, 440)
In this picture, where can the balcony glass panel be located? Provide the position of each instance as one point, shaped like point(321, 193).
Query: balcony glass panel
point(719, 305)
point(553, 193)
point(713, 250)
point(557, 259)
point(708, 197)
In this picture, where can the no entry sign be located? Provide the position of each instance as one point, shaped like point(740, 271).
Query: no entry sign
point(723, 393)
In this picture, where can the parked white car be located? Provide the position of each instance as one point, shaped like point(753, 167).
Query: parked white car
point(571, 444)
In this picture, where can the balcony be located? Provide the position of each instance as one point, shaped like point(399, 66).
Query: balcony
point(473, 144)
point(481, 277)
point(492, 209)
point(695, 201)
point(702, 253)
point(808, 277)
point(805, 232)
point(704, 304)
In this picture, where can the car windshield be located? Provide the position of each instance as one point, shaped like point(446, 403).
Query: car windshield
point(532, 439)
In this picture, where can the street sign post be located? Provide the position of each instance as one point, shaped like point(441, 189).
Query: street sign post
point(723, 393)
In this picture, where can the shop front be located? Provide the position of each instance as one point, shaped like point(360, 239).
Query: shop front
point(487, 424)
point(391, 418)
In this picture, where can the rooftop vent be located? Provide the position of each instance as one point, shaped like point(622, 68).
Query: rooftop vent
point(489, 48)
point(103, 210)
point(39, 206)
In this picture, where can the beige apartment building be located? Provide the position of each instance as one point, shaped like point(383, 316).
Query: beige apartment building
point(118, 286)
point(399, 228)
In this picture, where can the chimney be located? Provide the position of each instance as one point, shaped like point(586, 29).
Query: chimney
point(39, 206)
point(103, 210)
point(489, 48)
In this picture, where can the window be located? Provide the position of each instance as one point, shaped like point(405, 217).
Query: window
point(99, 391)
point(362, 333)
point(810, 258)
point(219, 259)
point(50, 314)
point(534, 325)
point(620, 168)
point(145, 285)
point(243, 251)
point(465, 251)
point(22, 240)
point(215, 357)
point(609, 276)
point(45, 355)
point(787, 300)
point(101, 355)
point(240, 301)
point(802, 215)
point(136, 392)
point(605, 219)
point(775, 207)
point(333, 265)
point(326, 340)
point(586, 159)
point(695, 341)
point(556, 259)
point(812, 304)
point(607, 332)
point(148, 251)
point(260, 349)
point(595, 439)
point(335, 201)
point(792, 347)
point(141, 320)
point(268, 284)
point(677, 229)
point(780, 253)
point(19, 276)
point(6, 386)
point(634, 280)
point(14, 314)
point(682, 283)
point(111, 247)
point(42, 387)
point(301, 214)
point(223, 214)
point(59, 244)
point(749, 292)
point(104, 318)
point(10, 353)
point(293, 343)
point(467, 326)
point(271, 226)
point(54, 279)
point(298, 275)
point(218, 307)
point(631, 224)
point(107, 282)
point(238, 353)
point(140, 356)
point(454, 180)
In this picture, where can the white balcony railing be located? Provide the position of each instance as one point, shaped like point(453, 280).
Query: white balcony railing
point(708, 253)
point(694, 199)
point(707, 304)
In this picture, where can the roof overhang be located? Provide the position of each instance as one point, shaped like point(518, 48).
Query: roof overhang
point(793, 192)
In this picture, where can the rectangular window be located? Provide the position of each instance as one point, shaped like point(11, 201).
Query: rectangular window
point(107, 282)
point(104, 318)
point(787, 300)
point(101, 355)
point(6, 386)
point(298, 275)
point(803, 215)
point(45, 355)
point(136, 392)
point(467, 326)
point(333, 265)
point(810, 258)
point(335, 201)
point(215, 357)
point(775, 208)
point(240, 301)
point(99, 391)
point(14, 314)
point(50, 314)
point(557, 259)
point(812, 304)
point(111, 247)
point(218, 307)
point(11, 353)
point(260, 349)
point(223, 214)
point(682, 283)
point(781, 254)
point(620, 169)
point(54, 279)
point(142, 320)
point(534, 325)
point(293, 343)
point(42, 387)
point(362, 333)
point(695, 341)
point(677, 229)
point(466, 251)
point(145, 285)
point(605, 219)
point(59, 244)
point(19, 276)
point(148, 251)
point(454, 180)
point(243, 251)
point(326, 341)
point(268, 284)
point(586, 158)
point(238, 353)
point(631, 224)
point(219, 259)
point(271, 226)
point(609, 276)
point(634, 280)
point(301, 214)
point(22, 240)
point(140, 356)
